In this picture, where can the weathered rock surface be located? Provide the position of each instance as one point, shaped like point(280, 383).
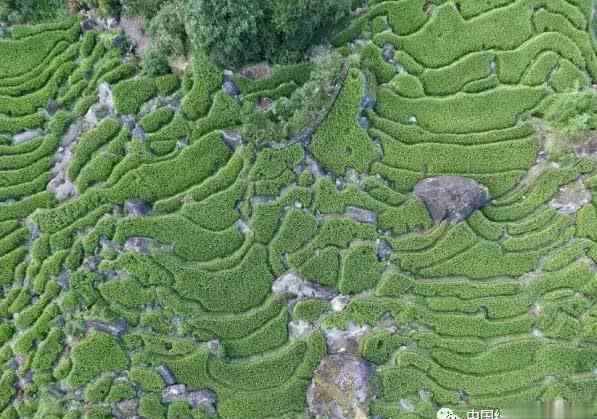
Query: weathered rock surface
point(362, 215)
point(28, 135)
point(340, 388)
point(104, 106)
point(166, 375)
point(587, 148)
point(137, 208)
point(451, 198)
point(230, 87)
point(60, 184)
point(203, 398)
point(116, 329)
point(345, 341)
point(571, 198)
point(291, 283)
point(232, 139)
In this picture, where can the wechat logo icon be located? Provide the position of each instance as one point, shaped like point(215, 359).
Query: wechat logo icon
point(445, 413)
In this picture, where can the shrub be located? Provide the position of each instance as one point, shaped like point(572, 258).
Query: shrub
point(167, 29)
point(155, 63)
point(31, 11)
point(145, 8)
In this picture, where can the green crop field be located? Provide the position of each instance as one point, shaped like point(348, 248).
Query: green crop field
point(134, 239)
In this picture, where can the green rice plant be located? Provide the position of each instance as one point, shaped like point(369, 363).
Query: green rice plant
point(97, 353)
point(99, 389)
point(296, 230)
point(156, 119)
point(90, 142)
point(224, 113)
point(452, 78)
point(102, 163)
point(147, 378)
point(463, 113)
point(371, 57)
point(446, 36)
point(310, 309)
point(167, 84)
point(130, 95)
point(177, 129)
point(151, 407)
point(21, 56)
point(322, 267)
point(207, 80)
point(340, 143)
point(361, 270)
point(216, 290)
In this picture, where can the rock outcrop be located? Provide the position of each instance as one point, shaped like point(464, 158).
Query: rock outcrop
point(452, 198)
point(340, 388)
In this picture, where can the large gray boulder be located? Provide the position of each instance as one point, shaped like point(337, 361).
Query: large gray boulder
point(451, 198)
point(340, 388)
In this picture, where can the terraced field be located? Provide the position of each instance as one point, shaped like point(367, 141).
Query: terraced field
point(145, 246)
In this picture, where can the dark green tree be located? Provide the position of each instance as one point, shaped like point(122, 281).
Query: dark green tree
point(227, 29)
point(146, 8)
point(280, 31)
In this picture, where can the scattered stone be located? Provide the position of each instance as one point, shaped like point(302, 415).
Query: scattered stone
point(28, 135)
point(121, 41)
point(232, 139)
point(230, 87)
point(425, 395)
point(363, 122)
point(242, 226)
point(314, 167)
point(33, 229)
point(571, 198)
point(52, 107)
point(339, 303)
point(138, 244)
point(116, 329)
point(340, 388)
point(384, 251)
point(139, 133)
point(291, 283)
point(103, 108)
point(388, 52)
point(493, 67)
point(64, 279)
point(299, 329)
point(128, 408)
point(368, 102)
point(128, 121)
point(166, 375)
point(62, 189)
point(257, 71)
point(587, 148)
point(451, 198)
point(174, 392)
point(88, 24)
point(362, 215)
point(345, 341)
point(214, 346)
point(133, 28)
point(137, 208)
point(406, 405)
point(202, 398)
